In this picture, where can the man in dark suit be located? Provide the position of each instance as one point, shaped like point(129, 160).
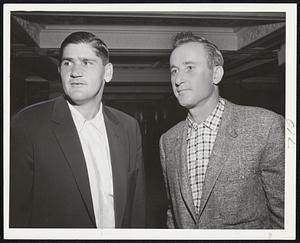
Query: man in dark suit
point(76, 163)
point(224, 165)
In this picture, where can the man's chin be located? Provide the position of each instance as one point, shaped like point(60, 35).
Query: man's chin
point(74, 100)
point(184, 103)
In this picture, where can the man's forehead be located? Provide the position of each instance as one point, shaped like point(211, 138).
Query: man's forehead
point(189, 47)
point(78, 47)
point(83, 50)
point(188, 52)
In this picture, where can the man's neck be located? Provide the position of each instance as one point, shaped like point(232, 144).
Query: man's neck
point(88, 111)
point(202, 111)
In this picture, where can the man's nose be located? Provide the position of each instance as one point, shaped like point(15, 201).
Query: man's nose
point(179, 79)
point(76, 71)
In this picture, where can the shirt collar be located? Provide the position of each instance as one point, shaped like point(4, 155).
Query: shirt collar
point(80, 121)
point(212, 121)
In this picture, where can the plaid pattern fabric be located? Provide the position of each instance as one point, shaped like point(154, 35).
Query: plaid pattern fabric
point(201, 138)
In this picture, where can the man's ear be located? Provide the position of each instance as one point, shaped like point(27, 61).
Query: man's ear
point(108, 72)
point(218, 72)
point(58, 68)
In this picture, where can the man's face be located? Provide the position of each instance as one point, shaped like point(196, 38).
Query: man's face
point(82, 73)
point(192, 80)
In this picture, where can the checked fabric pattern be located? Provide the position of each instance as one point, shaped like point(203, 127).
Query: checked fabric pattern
point(200, 141)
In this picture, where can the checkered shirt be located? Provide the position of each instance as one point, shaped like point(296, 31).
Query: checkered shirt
point(200, 140)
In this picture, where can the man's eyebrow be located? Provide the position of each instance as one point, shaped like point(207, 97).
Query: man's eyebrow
point(88, 59)
point(81, 59)
point(189, 62)
point(67, 59)
point(173, 66)
point(185, 63)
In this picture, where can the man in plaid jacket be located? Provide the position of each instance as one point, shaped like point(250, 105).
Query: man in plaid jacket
point(224, 165)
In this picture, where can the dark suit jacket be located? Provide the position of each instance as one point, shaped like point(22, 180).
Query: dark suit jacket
point(244, 181)
point(49, 185)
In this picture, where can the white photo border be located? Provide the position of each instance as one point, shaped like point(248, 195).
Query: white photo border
point(289, 231)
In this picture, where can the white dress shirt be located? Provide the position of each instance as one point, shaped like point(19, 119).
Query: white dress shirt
point(95, 146)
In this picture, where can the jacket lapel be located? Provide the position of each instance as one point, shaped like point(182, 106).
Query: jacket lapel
point(67, 136)
point(222, 147)
point(181, 159)
point(115, 134)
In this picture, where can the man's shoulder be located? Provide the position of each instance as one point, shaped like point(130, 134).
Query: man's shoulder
point(39, 109)
point(252, 120)
point(253, 113)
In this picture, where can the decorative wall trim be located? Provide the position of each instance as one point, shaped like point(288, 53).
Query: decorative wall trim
point(248, 35)
point(32, 29)
point(138, 37)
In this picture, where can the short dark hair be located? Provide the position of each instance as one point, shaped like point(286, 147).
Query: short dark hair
point(215, 57)
point(100, 47)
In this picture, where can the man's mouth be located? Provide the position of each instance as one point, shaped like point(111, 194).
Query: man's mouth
point(181, 90)
point(76, 83)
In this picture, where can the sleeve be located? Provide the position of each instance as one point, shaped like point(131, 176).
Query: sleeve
point(138, 217)
point(272, 171)
point(21, 176)
point(170, 220)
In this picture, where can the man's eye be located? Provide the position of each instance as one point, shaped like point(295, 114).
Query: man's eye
point(86, 63)
point(66, 63)
point(173, 71)
point(189, 67)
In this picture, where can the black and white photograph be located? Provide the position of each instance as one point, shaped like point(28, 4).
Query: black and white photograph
point(149, 121)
